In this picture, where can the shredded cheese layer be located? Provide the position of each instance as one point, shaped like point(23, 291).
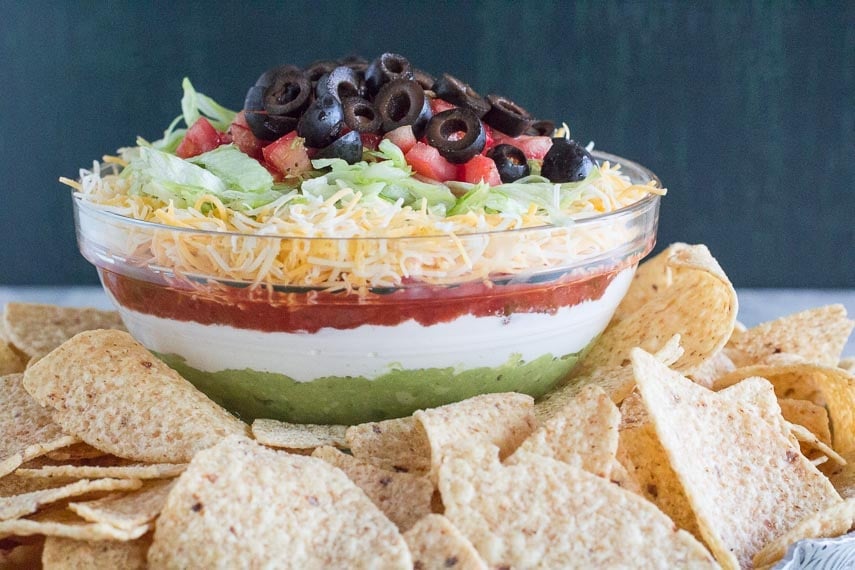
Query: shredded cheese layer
point(353, 243)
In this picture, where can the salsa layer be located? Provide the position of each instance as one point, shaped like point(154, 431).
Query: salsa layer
point(264, 309)
point(251, 394)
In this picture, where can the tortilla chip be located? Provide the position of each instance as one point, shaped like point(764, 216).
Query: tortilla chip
point(847, 364)
point(811, 442)
point(10, 362)
point(504, 420)
point(818, 335)
point(76, 452)
point(128, 510)
point(273, 433)
point(21, 552)
point(544, 513)
point(700, 305)
point(618, 383)
point(583, 434)
point(133, 471)
point(436, 544)
point(21, 505)
point(621, 475)
point(107, 389)
point(831, 522)
point(12, 485)
point(395, 445)
point(240, 504)
point(843, 477)
point(64, 523)
point(809, 415)
point(36, 330)
point(403, 497)
point(735, 467)
point(827, 386)
point(26, 430)
point(650, 279)
point(67, 554)
point(708, 371)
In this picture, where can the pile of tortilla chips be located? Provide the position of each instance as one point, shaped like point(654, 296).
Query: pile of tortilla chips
point(682, 440)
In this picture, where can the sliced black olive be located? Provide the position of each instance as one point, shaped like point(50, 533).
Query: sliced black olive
point(347, 147)
point(355, 62)
point(264, 126)
point(388, 67)
point(506, 116)
point(457, 134)
point(319, 68)
point(425, 79)
point(566, 161)
point(289, 94)
point(458, 93)
point(403, 102)
point(322, 122)
point(342, 82)
point(541, 129)
point(510, 162)
point(267, 77)
point(361, 116)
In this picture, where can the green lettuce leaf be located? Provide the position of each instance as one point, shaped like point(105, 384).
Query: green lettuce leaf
point(239, 171)
point(195, 105)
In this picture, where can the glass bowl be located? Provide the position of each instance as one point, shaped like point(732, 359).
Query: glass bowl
point(263, 348)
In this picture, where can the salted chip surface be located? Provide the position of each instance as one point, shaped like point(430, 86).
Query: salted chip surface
point(68, 554)
point(503, 419)
point(817, 335)
point(847, 364)
point(64, 523)
point(843, 477)
point(37, 329)
point(10, 362)
point(26, 429)
point(17, 506)
point(827, 386)
point(831, 522)
point(240, 504)
point(584, 433)
point(128, 510)
point(108, 390)
point(403, 497)
point(809, 415)
point(133, 471)
point(542, 513)
point(735, 466)
point(707, 372)
point(398, 444)
point(436, 544)
point(650, 279)
point(274, 433)
point(618, 382)
point(700, 305)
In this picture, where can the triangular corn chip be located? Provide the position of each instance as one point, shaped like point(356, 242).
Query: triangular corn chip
point(735, 466)
point(109, 391)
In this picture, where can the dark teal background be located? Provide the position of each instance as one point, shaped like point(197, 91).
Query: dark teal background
point(745, 110)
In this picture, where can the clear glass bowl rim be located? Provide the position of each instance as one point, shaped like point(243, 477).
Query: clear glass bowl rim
point(647, 202)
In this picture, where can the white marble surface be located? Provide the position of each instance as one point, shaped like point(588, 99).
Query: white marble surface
point(755, 305)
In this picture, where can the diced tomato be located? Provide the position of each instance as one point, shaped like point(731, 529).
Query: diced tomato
point(491, 141)
point(201, 137)
point(288, 155)
point(438, 105)
point(403, 138)
point(370, 140)
point(427, 161)
point(244, 139)
point(534, 147)
point(479, 168)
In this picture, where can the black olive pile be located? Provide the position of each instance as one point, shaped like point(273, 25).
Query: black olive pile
point(332, 103)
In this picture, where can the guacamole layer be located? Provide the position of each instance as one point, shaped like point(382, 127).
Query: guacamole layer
point(348, 400)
